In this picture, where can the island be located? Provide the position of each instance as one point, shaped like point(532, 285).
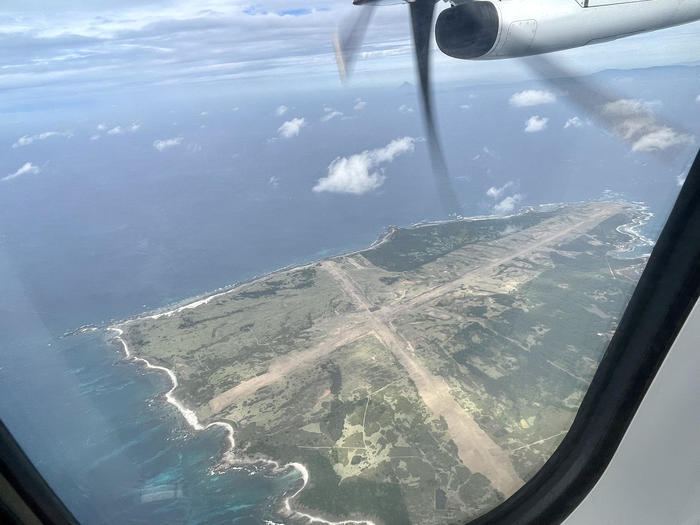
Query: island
point(422, 380)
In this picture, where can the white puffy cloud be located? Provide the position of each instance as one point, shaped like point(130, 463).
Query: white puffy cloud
point(359, 104)
point(680, 179)
point(119, 129)
point(532, 97)
point(697, 99)
point(535, 124)
point(274, 181)
point(291, 128)
point(26, 140)
point(26, 168)
point(573, 122)
point(403, 108)
point(660, 139)
point(101, 126)
point(95, 137)
point(331, 115)
point(504, 204)
point(465, 106)
point(361, 172)
point(634, 121)
point(281, 110)
point(496, 192)
point(508, 204)
point(164, 144)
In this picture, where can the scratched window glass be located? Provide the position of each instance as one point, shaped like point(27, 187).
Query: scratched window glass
point(291, 263)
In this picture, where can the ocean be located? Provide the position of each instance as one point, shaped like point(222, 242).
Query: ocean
point(111, 228)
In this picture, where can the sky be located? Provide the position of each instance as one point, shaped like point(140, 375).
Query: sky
point(64, 47)
point(168, 79)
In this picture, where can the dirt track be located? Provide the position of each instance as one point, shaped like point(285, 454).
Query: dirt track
point(282, 366)
point(475, 448)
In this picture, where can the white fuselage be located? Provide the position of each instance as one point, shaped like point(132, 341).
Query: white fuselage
point(529, 27)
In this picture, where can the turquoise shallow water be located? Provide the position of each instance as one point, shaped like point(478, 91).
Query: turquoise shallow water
point(116, 452)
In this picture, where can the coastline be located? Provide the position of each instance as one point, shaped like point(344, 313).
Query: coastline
point(229, 459)
point(632, 229)
point(194, 301)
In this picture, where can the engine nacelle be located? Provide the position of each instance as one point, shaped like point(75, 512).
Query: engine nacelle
point(467, 30)
point(491, 29)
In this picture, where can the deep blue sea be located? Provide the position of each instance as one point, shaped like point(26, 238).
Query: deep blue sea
point(110, 228)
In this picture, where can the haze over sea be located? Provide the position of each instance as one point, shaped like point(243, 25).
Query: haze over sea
point(99, 229)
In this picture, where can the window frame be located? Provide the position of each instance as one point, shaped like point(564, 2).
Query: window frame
point(660, 304)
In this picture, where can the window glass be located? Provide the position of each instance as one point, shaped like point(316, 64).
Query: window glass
point(229, 290)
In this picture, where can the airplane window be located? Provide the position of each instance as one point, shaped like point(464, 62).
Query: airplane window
point(235, 287)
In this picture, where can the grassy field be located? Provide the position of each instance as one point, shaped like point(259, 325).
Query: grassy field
point(336, 364)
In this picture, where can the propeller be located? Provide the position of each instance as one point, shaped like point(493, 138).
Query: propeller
point(348, 38)
point(632, 121)
point(347, 42)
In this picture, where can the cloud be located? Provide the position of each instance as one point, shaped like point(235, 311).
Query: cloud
point(164, 144)
point(487, 152)
point(26, 140)
point(465, 106)
point(508, 204)
point(403, 108)
point(680, 179)
point(119, 130)
point(532, 97)
point(291, 128)
point(359, 104)
point(573, 122)
point(95, 137)
point(101, 126)
point(661, 139)
point(274, 181)
point(634, 121)
point(697, 99)
point(167, 44)
point(535, 124)
point(26, 168)
point(281, 110)
point(496, 193)
point(331, 115)
point(361, 172)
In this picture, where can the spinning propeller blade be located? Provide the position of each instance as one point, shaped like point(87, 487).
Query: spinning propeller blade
point(348, 41)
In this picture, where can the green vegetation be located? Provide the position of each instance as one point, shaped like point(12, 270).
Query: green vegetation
point(382, 500)
point(337, 364)
point(410, 248)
